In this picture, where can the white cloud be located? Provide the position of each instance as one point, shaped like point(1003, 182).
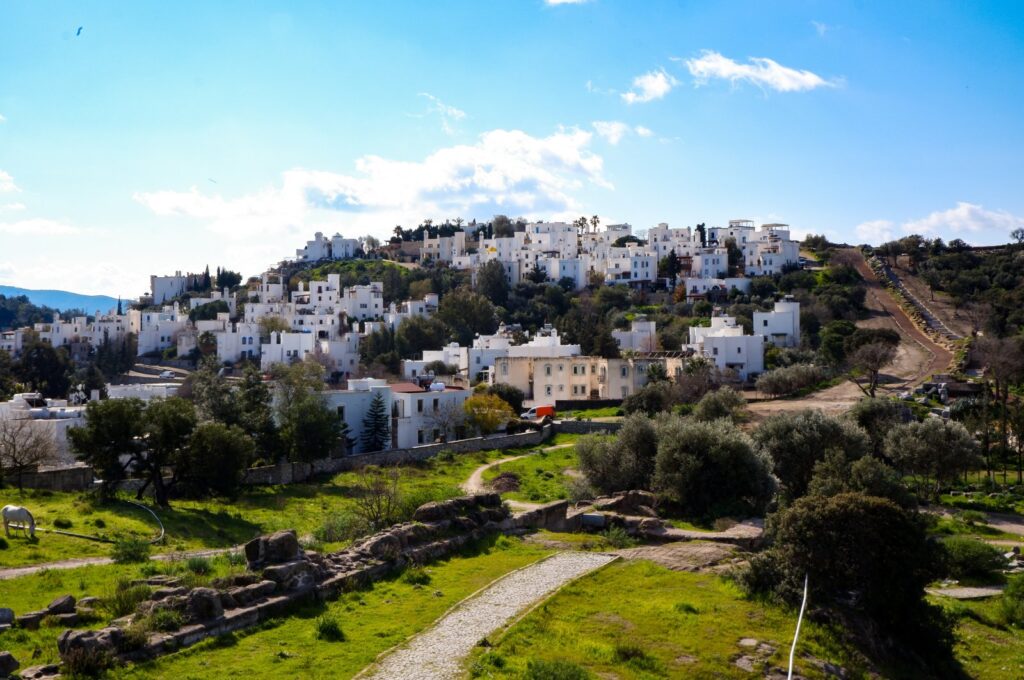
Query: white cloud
point(7, 184)
point(821, 28)
point(643, 131)
point(2, 118)
point(650, 86)
point(506, 171)
point(38, 226)
point(565, 2)
point(965, 217)
point(12, 207)
point(765, 73)
point(874, 231)
point(611, 130)
point(449, 114)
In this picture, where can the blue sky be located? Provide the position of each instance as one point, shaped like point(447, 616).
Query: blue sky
point(169, 136)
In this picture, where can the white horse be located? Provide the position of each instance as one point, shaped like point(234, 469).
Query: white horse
point(16, 513)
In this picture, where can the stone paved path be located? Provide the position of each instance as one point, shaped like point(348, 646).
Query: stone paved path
point(17, 572)
point(476, 484)
point(967, 592)
point(437, 653)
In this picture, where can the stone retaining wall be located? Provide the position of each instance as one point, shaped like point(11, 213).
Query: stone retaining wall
point(587, 427)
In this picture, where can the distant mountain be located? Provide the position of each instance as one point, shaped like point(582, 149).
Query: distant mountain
point(63, 300)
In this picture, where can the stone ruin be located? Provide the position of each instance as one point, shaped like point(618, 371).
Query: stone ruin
point(281, 575)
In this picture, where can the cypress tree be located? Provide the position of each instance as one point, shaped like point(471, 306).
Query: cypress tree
point(376, 425)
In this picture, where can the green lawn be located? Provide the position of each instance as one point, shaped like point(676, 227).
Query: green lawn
point(634, 620)
point(192, 525)
point(373, 620)
point(35, 592)
point(985, 647)
point(585, 413)
point(542, 476)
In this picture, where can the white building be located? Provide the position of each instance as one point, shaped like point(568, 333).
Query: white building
point(353, 404)
point(443, 248)
point(705, 287)
point(546, 380)
point(642, 336)
point(426, 415)
point(156, 331)
point(725, 344)
point(323, 248)
point(164, 288)
point(52, 417)
point(781, 326)
point(286, 348)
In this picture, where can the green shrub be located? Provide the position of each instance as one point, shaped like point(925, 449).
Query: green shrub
point(618, 537)
point(969, 557)
point(235, 558)
point(86, 663)
point(970, 517)
point(3, 543)
point(99, 524)
point(341, 526)
point(166, 620)
point(1011, 605)
point(328, 628)
point(62, 523)
point(200, 566)
point(416, 576)
point(135, 636)
point(685, 608)
point(541, 669)
point(125, 598)
point(634, 655)
point(129, 550)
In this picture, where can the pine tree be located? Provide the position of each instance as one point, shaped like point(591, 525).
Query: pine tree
point(346, 436)
point(376, 425)
point(207, 284)
point(119, 310)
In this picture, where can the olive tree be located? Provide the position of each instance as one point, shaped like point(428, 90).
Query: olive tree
point(936, 451)
point(623, 462)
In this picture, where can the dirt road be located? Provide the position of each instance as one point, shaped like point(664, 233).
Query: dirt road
point(916, 359)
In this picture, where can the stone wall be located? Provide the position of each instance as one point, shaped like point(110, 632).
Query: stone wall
point(587, 427)
point(72, 478)
point(288, 473)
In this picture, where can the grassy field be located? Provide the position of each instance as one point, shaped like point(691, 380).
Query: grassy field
point(586, 413)
point(985, 647)
point(373, 620)
point(34, 592)
point(193, 525)
point(542, 476)
point(635, 620)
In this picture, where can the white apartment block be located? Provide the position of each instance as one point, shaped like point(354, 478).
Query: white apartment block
point(157, 331)
point(781, 326)
point(353, 404)
point(164, 288)
point(725, 344)
point(286, 348)
point(424, 416)
point(323, 248)
point(545, 380)
point(224, 296)
point(398, 313)
point(443, 248)
point(704, 287)
point(642, 336)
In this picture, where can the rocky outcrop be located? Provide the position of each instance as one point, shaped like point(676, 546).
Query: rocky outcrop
point(281, 575)
point(8, 664)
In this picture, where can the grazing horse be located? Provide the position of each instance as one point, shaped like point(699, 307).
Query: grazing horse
point(16, 513)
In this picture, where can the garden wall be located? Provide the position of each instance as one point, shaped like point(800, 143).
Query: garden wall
point(587, 427)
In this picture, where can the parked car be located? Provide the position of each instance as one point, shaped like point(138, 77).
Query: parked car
point(167, 375)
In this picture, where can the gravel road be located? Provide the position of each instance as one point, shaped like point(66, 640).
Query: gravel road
point(438, 652)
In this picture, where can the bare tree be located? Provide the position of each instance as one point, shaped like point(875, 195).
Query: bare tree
point(868, 361)
point(24, 447)
point(446, 417)
point(377, 500)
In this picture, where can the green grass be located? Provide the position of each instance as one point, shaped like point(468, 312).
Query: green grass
point(35, 592)
point(194, 525)
point(373, 621)
point(585, 413)
point(634, 620)
point(945, 526)
point(981, 501)
point(984, 646)
point(542, 476)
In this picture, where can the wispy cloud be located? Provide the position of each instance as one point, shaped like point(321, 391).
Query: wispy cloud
point(7, 184)
point(565, 2)
point(449, 114)
point(39, 226)
point(760, 71)
point(965, 218)
point(643, 131)
point(505, 171)
point(12, 207)
point(820, 27)
point(650, 86)
point(611, 130)
point(3, 119)
point(874, 231)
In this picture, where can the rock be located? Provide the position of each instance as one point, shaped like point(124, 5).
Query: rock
point(4, 627)
point(6, 615)
point(203, 604)
point(280, 546)
point(89, 602)
point(296, 575)
point(62, 605)
point(103, 640)
point(748, 642)
point(745, 663)
point(629, 503)
point(30, 621)
point(69, 619)
point(8, 664)
point(40, 672)
point(382, 546)
point(432, 512)
point(161, 593)
point(488, 500)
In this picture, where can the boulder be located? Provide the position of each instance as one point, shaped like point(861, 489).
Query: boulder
point(6, 615)
point(8, 664)
point(384, 546)
point(295, 575)
point(89, 602)
point(69, 619)
point(62, 605)
point(488, 500)
point(161, 593)
point(634, 502)
point(30, 621)
point(204, 604)
point(49, 670)
point(432, 512)
point(280, 546)
point(103, 640)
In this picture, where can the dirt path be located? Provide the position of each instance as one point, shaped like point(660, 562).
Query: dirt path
point(28, 570)
point(438, 652)
point(916, 359)
point(476, 483)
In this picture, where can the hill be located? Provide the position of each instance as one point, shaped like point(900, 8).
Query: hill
point(62, 299)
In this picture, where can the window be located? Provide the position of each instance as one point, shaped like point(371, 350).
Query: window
point(765, 322)
point(547, 369)
point(714, 351)
point(435, 404)
point(341, 412)
point(547, 390)
point(625, 371)
point(739, 350)
point(504, 368)
point(419, 406)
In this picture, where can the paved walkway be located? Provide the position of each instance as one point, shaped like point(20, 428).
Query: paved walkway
point(438, 652)
point(967, 593)
point(28, 570)
point(476, 483)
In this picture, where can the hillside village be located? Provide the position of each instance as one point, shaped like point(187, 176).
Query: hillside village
point(368, 418)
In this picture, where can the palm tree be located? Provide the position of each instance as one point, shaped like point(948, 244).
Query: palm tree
point(458, 221)
point(594, 221)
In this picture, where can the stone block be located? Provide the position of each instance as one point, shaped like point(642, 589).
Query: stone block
point(6, 615)
point(204, 604)
point(30, 621)
point(62, 605)
point(8, 664)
